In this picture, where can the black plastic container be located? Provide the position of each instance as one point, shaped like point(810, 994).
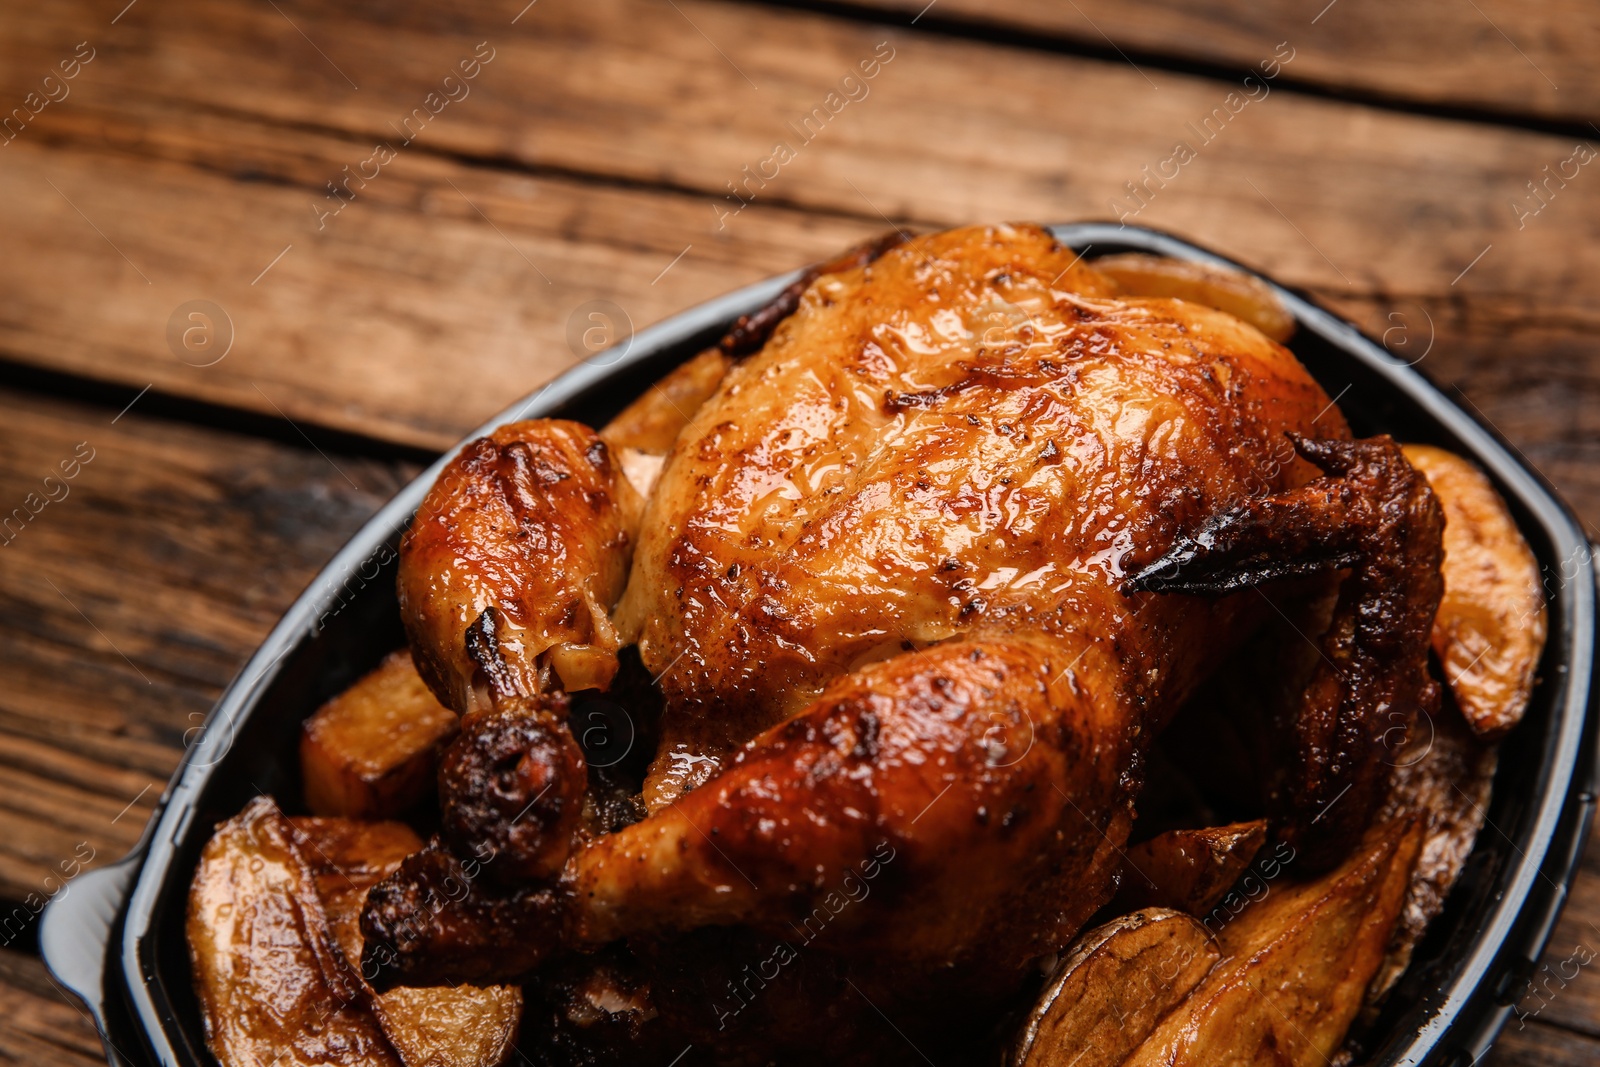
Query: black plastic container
point(116, 939)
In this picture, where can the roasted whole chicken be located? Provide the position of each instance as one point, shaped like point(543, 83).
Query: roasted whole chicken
point(917, 565)
point(977, 650)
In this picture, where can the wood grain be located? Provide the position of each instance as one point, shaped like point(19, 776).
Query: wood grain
point(126, 606)
point(40, 1024)
point(1541, 1045)
point(1536, 383)
point(591, 161)
point(1565, 988)
point(600, 142)
point(415, 320)
point(1499, 56)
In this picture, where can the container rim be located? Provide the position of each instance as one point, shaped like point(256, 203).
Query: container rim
point(93, 940)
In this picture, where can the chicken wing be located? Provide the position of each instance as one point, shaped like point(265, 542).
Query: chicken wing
point(511, 566)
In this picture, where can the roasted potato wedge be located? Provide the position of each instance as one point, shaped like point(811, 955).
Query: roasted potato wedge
point(1442, 778)
point(273, 987)
point(1114, 985)
point(643, 432)
point(274, 936)
point(346, 858)
point(371, 751)
point(461, 1026)
point(1188, 870)
point(651, 423)
point(1491, 625)
point(1240, 295)
point(468, 1026)
point(1296, 965)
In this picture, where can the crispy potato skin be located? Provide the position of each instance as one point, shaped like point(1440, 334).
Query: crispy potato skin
point(1296, 965)
point(1442, 778)
point(1189, 870)
point(1240, 295)
point(1491, 626)
point(1113, 987)
point(510, 568)
point(652, 423)
point(273, 986)
point(463, 1026)
point(370, 752)
point(274, 939)
point(467, 1026)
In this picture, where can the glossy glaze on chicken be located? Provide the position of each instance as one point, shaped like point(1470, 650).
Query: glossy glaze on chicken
point(955, 532)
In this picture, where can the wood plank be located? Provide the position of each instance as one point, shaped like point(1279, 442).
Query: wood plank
point(127, 604)
point(1536, 382)
point(415, 319)
point(1565, 989)
point(1542, 1045)
point(1515, 59)
point(416, 316)
point(39, 1023)
point(411, 316)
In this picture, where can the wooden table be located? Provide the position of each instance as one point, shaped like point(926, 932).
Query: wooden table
point(398, 217)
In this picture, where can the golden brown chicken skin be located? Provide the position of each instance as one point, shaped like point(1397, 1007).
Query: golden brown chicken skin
point(982, 749)
point(919, 582)
point(511, 566)
point(971, 432)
